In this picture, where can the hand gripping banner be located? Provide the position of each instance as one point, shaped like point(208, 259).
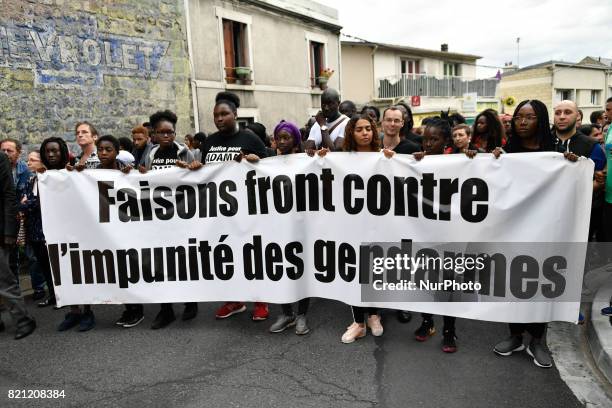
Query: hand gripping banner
point(499, 240)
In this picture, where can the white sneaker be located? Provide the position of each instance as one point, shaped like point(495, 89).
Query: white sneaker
point(354, 331)
point(375, 325)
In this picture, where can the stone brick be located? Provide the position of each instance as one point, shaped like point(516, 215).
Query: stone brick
point(112, 63)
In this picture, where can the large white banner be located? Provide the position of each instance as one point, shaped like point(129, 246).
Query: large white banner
point(348, 226)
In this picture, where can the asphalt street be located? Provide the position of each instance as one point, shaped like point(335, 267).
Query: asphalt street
point(237, 363)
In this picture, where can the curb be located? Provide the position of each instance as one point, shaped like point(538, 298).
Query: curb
point(599, 331)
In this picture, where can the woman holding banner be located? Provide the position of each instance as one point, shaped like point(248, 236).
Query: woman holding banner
point(166, 154)
point(232, 143)
point(361, 135)
point(436, 137)
point(288, 141)
point(530, 133)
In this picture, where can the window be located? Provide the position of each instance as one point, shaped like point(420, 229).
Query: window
point(409, 67)
point(317, 61)
point(565, 94)
point(595, 97)
point(235, 46)
point(451, 69)
point(244, 121)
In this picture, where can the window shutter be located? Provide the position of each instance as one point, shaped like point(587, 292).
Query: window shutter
point(228, 42)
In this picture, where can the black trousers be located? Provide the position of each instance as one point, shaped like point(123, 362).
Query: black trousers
point(167, 307)
point(359, 313)
point(535, 329)
point(302, 307)
point(449, 321)
point(607, 221)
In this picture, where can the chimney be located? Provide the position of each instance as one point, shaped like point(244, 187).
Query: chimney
point(444, 47)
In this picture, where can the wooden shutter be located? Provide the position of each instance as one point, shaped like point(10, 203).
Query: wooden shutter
point(241, 45)
point(313, 76)
point(321, 62)
point(228, 43)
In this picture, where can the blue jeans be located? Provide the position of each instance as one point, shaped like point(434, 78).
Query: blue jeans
point(20, 258)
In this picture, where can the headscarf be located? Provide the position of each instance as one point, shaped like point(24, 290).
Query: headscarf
point(289, 128)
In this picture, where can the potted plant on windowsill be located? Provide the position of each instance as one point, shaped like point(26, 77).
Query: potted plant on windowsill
point(324, 78)
point(244, 75)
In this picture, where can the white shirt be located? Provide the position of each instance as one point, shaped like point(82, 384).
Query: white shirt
point(315, 130)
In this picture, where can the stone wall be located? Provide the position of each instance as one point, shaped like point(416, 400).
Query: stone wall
point(110, 62)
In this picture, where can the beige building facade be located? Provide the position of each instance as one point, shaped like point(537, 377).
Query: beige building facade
point(380, 74)
point(587, 83)
point(269, 52)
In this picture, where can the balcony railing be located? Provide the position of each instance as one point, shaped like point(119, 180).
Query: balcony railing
point(423, 85)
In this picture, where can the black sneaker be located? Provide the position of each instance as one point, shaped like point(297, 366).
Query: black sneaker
point(25, 327)
point(163, 319)
point(71, 320)
point(134, 320)
point(541, 357)
point(191, 311)
point(448, 342)
point(88, 321)
point(404, 316)
point(125, 316)
point(38, 294)
point(510, 345)
point(47, 302)
point(426, 330)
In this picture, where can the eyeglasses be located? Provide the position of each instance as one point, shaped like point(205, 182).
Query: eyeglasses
point(389, 120)
point(528, 118)
point(165, 133)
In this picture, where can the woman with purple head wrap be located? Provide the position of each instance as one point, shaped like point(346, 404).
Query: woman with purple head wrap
point(288, 141)
point(288, 138)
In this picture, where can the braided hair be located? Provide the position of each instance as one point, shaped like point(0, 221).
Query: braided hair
point(495, 130)
point(443, 126)
point(543, 133)
point(63, 152)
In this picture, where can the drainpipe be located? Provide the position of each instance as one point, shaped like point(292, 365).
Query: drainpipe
point(194, 96)
point(339, 65)
point(374, 93)
point(552, 88)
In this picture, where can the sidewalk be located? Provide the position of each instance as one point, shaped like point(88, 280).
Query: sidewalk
point(599, 330)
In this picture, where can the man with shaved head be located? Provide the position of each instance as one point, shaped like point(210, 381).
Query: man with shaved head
point(572, 142)
point(328, 130)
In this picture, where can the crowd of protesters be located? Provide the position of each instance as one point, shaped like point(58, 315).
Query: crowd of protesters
point(339, 126)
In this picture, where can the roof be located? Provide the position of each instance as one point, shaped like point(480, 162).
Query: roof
point(308, 10)
point(597, 61)
point(413, 50)
point(581, 64)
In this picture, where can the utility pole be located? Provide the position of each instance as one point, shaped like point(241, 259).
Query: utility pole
point(518, 61)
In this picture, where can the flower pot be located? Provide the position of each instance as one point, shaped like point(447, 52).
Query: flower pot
point(242, 72)
point(322, 82)
point(229, 75)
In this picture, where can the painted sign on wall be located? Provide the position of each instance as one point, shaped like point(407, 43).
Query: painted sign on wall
point(79, 56)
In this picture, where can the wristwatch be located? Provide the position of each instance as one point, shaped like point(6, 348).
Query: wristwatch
point(324, 128)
